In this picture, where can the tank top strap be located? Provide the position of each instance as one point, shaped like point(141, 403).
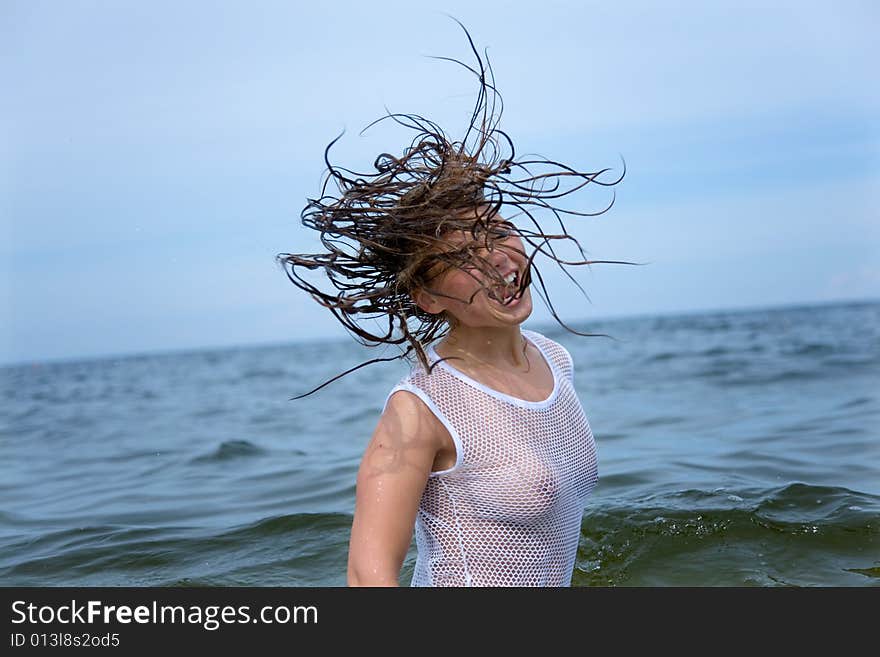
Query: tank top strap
point(555, 352)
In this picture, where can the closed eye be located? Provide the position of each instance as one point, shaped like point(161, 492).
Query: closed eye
point(503, 229)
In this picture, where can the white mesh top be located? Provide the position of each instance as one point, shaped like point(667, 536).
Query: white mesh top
point(508, 512)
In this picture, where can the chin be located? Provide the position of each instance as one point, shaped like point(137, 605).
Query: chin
point(517, 310)
point(488, 312)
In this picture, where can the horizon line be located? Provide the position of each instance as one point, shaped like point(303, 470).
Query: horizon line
point(74, 359)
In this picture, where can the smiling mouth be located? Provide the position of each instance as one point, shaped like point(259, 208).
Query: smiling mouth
point(505, 294)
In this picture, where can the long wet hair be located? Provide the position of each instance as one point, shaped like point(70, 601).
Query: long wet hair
point(384, 232)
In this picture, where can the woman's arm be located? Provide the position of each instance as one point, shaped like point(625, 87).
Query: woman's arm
point(390, 482)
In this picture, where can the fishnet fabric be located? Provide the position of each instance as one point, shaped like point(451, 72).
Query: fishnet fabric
point(508, 513)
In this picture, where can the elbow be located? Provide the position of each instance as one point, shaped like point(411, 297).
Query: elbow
point(354, 578)
point(370, 576)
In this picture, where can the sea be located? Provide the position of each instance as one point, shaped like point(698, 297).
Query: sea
point(735, 449)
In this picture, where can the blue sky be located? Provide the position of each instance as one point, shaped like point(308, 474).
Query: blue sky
point(155, 157)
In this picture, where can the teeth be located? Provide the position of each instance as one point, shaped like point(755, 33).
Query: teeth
point(510, 278)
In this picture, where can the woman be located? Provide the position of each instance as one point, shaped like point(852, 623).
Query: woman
point(491, 459)
point(484, 447)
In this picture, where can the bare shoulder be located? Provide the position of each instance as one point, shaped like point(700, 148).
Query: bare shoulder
point(408, 439)
point(409, 420)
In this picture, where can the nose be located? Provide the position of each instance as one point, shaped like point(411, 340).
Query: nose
point(499, 258)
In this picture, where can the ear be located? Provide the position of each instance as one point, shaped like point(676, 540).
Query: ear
point(426, 301)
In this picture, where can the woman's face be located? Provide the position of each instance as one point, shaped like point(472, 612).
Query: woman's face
point(480, 285)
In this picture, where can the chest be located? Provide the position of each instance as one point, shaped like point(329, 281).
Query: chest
point(535, 384)
point(523, 464)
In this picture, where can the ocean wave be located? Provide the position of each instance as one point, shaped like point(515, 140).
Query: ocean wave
point(733, 538)
point(229, 450)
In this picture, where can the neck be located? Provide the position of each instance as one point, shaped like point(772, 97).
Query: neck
point(503, 347)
